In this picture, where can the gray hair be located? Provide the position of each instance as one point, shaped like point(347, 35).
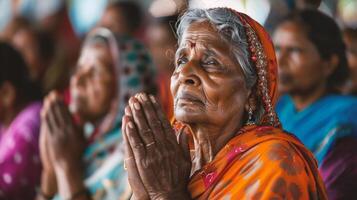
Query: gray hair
point(232, 30)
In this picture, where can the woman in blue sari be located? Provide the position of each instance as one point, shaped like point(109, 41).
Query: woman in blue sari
point(81, 147)
point(312, 66)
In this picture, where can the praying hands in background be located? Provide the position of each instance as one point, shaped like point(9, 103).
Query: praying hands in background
point(158, 167)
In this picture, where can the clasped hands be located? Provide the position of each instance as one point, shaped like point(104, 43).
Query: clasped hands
point(158, 165)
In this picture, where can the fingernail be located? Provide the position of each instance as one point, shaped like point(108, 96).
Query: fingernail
point(127, 111)
point(145, 98)
point(131, 125)
point(152, 99)
point(137, 106)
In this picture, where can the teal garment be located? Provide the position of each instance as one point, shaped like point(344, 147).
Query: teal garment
point(105, 177)
point(320, 124)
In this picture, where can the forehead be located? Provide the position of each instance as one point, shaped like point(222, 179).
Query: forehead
point(289, 30)
point(94, 53)
point(203, 34)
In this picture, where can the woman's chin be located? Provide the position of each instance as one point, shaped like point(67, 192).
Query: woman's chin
point(189, 115)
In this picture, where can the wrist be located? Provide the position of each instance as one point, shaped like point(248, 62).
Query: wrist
point(70, 181)
point(177, 195)
point(48, 185)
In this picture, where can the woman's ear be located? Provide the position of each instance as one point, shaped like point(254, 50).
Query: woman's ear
point(331, 65)
point(251, 103)
point(8, 94)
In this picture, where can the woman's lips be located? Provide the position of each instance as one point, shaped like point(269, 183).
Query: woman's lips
point(185, 97)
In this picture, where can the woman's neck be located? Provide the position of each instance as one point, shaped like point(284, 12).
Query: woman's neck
point(209, 139)
point(303, 100)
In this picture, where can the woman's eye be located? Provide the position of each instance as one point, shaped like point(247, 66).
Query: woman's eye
point(296, 49)
point(211, 62)
point(181, 61)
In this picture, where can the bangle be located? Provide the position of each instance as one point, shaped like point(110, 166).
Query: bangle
point(79, 194)
point(44, 196)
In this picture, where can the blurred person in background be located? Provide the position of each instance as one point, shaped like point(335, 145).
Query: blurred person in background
point(312, 66)
point(162, 44)
point(37, 48)
point(350, 37)
point(81, 145)
point(307, 4)
point(122, 17)
point(20, 165)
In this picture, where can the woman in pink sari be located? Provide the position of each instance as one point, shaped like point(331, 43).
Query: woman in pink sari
point(20, 165)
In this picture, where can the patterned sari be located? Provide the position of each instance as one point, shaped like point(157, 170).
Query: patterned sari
point(260, 161)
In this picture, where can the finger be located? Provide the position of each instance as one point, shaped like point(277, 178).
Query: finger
point(58, 113)
point(128, 111)
point(128, 150)
point(53, 112)
point(163, 145)
point(144, 131)
point(66, 115)
point(130, 165)
point(138, 149)
point(152, 118)
point(48, 123)
point(170, 134)
point(183, 140)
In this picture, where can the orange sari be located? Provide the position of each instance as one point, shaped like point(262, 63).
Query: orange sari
point(261, 162)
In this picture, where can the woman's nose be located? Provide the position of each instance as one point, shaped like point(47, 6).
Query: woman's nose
point(282, 58)
point(78, 80)
point(188, 74)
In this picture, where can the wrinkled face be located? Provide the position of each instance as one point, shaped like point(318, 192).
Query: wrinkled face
point(208, 85)
point(93, 84)
point(300, 65)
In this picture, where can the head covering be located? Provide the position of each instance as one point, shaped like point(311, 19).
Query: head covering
point(105, 176)
point(263, 55)
point(134, 72)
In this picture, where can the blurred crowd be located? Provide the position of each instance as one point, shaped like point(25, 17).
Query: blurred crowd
point(61, 77)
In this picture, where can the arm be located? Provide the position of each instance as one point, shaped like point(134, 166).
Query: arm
point(339, 169)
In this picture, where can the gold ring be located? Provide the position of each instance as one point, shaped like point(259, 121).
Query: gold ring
point(126, 159)
point(148, 145)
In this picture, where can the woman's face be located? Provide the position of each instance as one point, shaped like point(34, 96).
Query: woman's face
point(208, 85)
point(301, 68)
point(25, 42)
point(93, 84)
point(351, 44)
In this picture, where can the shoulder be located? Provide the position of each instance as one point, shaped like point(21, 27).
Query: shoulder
point(27, 123)
point(279, 157)
point(341, 102)
point(342, 109)
point(274, 168)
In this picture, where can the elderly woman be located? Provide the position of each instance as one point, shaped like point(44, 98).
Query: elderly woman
point(312, 66)
point(228, 143)
point(81, 150)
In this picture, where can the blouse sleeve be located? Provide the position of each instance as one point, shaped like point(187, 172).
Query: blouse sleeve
point(20, 165)
point(339, 169)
